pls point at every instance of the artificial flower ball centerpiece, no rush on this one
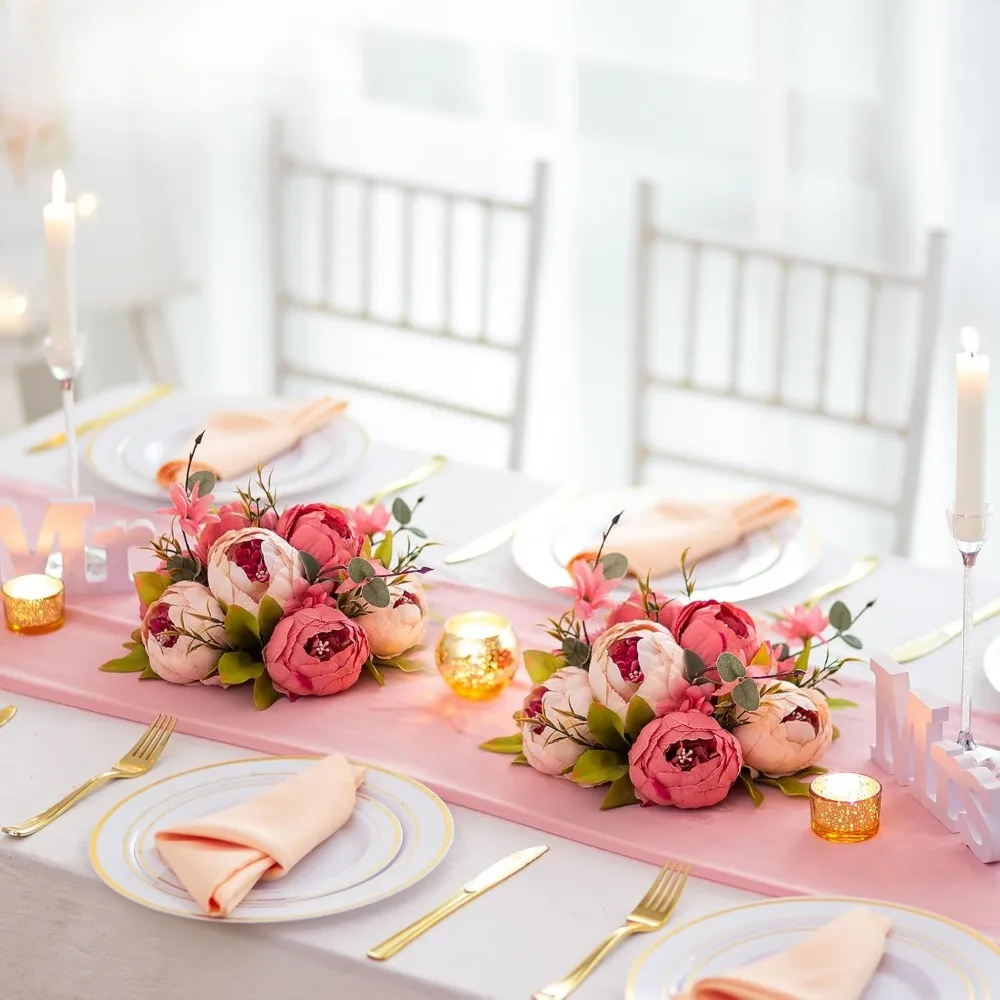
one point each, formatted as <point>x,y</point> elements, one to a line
<point>299,602</point>
<point>677,702</point>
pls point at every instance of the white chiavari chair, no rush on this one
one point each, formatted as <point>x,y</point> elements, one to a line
<point>289,303</point>
<point>908,429</point>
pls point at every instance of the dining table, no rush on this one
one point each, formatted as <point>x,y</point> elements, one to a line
<point>65,934</point>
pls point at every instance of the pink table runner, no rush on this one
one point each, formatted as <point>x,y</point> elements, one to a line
<point>416,725</point>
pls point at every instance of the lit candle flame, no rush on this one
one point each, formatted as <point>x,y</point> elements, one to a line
<point>970,339</point>
<point>58,188</point>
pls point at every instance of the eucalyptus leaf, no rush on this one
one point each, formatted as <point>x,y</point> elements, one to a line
<point>204,480</point>
<point>310,566</point>
<point>383,553</point>
<point>638,715</point>
<point>621,793</point>
<point>359,569</point>
<point>503,744</point>
<point>606,727</point>
<point>419,532</point>
<point>730,668</point>
<point>614,565</point>
<point>840,617</point>
<point>694,665</point>
<point>268,615</point>
<point>598,767</point>
<point>131,663</point>
<point>401,510</point>
<point>150,586</point>
<point>751,787</point>
<point>852,640</point>
<point>236,667</point>
<point>540,666</point>
<point>840,703</point>
<point>746,694</point>
<point>376,593</point>
<point>264,694</point>
<point>242,629</point>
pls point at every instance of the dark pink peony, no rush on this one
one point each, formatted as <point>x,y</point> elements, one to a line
<point>324,531</point>
<point>317,650</point>
<point>633,609</point>
<point>684,759</point>
<point>709,628</point>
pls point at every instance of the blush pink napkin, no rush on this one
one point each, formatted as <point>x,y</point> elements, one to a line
<point>220,858</point>
<point>834,963</point>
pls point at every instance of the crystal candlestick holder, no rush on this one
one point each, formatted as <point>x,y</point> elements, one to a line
<point>970,532</point>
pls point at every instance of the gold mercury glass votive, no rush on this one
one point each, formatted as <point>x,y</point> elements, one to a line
<point>33,604</point>
<point>477,654</point>
<point>845,807</point>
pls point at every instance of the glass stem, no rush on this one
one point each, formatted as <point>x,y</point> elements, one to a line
<point>965,733</point>
<point>71,452</point>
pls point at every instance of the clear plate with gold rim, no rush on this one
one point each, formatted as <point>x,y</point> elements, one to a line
<point>397,834</point>
<point>927,957</point>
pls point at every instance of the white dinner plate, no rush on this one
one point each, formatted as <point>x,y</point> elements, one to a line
<point>128,453</point>
<point>399,831</point>
<point>927,957</point>
<point>762,563</point>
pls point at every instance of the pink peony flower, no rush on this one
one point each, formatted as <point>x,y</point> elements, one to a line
<point>393,630</point>
<point>229,517</point>
<point>632,609</point>
<point>635,658</point>
<point>324,531</point>
<point>370,522</point>
<point>709,628</point>
<point>589,591</point>
<point>191,512</point>
<point>309,595</point>
<point>316,650</point>
<point>684,759</point>
<point>563,700</point>
<point>790,730</point>
<point>189,608</point>
<point>245,565</point>
<point>801,623</point>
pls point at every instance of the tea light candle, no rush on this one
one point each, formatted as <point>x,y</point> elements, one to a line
<point>33,604</point>
<point>845,807</point>
<point>477,654</point>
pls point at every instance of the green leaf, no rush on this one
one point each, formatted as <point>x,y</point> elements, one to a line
<point>206,482</point>
<point>793,787</point>
<point>242,629</point>
<point>383,553</point>
<point>183,568</point>
<point>136,635</point>
<point>503,744</point>
<point>131,663</point>
<point>836,733</point>
<point>419,532</point>
<point>405,663</point>
<point>598,767</point>
<point>264,695</point>
<point>834,703</point>
<point>730,667</point>
<point>310,566</point>
<point>638,716</point>
<point>238,668</point>
<point>762,658</point>
<point>746,694</point>
<point>540,665</point>
<point>694,665</point>
<point>751,787</point>
<point>375,672</point>
<point>614,565</point>
<point>576,651</point>
<point>150,587</point>
<point>606,727</point>
<point>840,617</point>
<point>519,759</point>
<point>802,660</point>
<point>268,615</point>
<point>149,674</point>
<point>359,569</point>
<point>401,510</point>
<point>376,593</point>
<point>852,640</point>
<point>621,793</point>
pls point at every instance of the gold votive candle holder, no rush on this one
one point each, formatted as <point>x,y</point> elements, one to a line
<point>477,654</point>
<point>845,807</point>
<point>34,603</point>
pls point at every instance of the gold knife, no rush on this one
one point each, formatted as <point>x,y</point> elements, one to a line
<point>863,567</point>
<point>498,536</point>
<point>58,440</point>
<point>916,648</point>
<point>6,714</point>
<point>483,882</point>
<point>431,467</point>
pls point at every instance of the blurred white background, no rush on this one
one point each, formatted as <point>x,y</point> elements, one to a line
<point>846,130</point>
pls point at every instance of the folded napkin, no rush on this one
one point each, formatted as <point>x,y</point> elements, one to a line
<point>834,963</point>
<point>653,541</point>
<point>237,441</point>
<point>220,858</point>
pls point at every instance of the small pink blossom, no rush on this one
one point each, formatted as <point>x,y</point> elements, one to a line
<point>801,623</point>
<point>191,512</point>
<point>589,591</point>
<point>309,595</point>
<point>370,522</point>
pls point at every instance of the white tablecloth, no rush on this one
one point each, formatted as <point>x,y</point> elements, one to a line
<point>63,934</point>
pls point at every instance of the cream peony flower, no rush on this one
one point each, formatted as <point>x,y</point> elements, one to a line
<point>246,564</point>
<point>394,629</point>
<point>189,608</point>
<point>554,732</point>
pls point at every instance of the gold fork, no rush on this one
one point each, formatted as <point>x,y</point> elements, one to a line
<point>137,761</point>
<point>651,914</point>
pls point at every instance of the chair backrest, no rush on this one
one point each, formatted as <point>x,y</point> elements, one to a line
<point>910,430</point>
<point>285,167</point>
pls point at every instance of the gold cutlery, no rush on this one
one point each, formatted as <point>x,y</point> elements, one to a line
<point>863,567</point>
<point>498,872</point>
<point>925,644</point>
<point>6,714</point>
<point>58,440</point>
<point>136,762</point>
<point>431,467</point>
<point>485,544</point>
<point>651,914</point>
